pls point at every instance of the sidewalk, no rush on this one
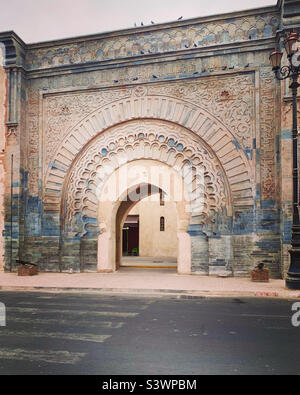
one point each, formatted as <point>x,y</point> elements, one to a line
<point>144,281</point>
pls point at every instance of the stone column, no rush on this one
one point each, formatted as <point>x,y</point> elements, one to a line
<point>220,255</point>
<point>184,253</point>
<point>2,151</point>
<point>105,258</point>
<point>70,253</point>
<point>200,252</point>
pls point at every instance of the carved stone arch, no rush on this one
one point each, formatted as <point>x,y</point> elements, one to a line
<point>219,140</point>
<point>134,140</point>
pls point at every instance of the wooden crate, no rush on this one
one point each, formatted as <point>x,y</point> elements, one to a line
<point>27,270</point>
<point>260,275</point>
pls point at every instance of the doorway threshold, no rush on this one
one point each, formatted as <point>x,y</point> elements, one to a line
<point>149,262</point>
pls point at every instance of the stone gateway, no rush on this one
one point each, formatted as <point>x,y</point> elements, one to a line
<point>179,130</point>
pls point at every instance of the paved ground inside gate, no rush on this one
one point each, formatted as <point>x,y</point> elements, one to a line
<point>137,261</point>
<point>152,281</point>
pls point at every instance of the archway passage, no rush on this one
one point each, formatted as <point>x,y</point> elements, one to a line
<point>133,198</point>
<point>137,188</point>
<point>149,234</point>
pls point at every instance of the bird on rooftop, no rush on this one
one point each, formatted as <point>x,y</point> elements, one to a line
<point>180,18</point>
<point>142,24</point>
<point>152,22</point>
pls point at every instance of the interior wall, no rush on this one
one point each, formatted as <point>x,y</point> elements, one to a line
<point>152,241</point>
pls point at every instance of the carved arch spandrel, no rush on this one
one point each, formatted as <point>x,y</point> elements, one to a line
<point>176,112</point>
<point>148,139</point>
<point>230,99</point>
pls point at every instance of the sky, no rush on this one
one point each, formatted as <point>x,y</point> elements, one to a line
<point>43,20</point>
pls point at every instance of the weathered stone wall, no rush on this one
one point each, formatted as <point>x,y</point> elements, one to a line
<point>286,175</point>
<point>238,88</point>
<point>202,90</point>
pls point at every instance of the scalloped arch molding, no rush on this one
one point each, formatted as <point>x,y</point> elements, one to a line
<point>163,142</point>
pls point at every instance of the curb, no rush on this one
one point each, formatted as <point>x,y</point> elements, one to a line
<point>183,294</point>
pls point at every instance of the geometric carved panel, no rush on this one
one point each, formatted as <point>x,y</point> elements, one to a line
<point>138,107</point>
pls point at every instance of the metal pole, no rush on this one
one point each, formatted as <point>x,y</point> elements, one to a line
<point>293,278</point>
<point>127,234</point>
<point>11,210</point>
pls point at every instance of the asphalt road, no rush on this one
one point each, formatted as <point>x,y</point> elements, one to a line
<point>121,335</point>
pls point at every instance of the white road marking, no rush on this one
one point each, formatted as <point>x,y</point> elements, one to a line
<point>75,312</point>
<point>77,305</point>
<point>62,357</point>
<point>143,306</point>
<point>45,297</point>
<point>87,337</point>
<point>34,320</point>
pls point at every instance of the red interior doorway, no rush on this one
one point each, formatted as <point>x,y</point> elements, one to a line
<point>130,236</point>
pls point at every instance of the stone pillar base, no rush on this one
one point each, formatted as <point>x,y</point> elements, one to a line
<point>184,253</point>
<point>105,271</point>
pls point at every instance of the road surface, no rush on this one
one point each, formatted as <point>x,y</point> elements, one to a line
<point>121,335</point>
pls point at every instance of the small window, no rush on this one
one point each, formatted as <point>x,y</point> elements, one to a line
<point>162,224</point>
<point>161,196</point>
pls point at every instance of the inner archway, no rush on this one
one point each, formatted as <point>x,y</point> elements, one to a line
<point>150,234</point>
<point>155,241</point>
<point>142,179</point>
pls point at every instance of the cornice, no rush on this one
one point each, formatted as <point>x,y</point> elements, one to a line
<point>225,49</point>
<point>16,49</point>
<point>10,34</point>
<point>152,28</point>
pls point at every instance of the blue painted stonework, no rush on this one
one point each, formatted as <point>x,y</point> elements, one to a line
<point>214,66</point>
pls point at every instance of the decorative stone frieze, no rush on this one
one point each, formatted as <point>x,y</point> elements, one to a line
<point>268,127</point>
<point>155,41</point>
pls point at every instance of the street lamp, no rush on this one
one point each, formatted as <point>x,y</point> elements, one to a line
<point>292,71</point>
